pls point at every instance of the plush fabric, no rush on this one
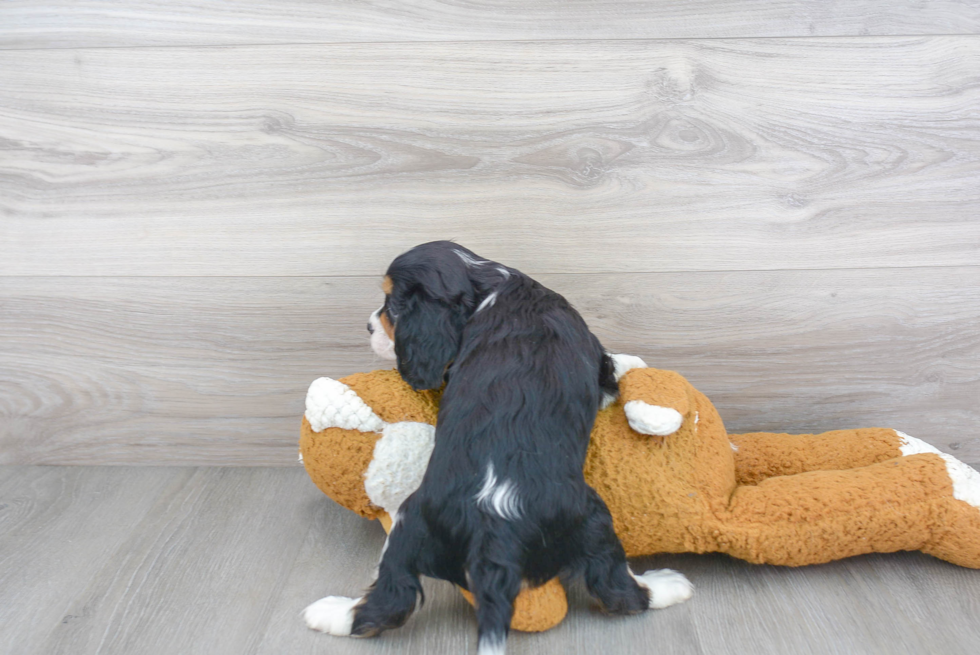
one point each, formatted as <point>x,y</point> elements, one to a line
<point>674,479</point>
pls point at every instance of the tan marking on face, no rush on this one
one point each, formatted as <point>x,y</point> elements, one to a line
<point>387,285</point>
<point>386,324</point>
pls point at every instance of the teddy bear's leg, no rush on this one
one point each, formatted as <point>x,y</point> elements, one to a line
<point>907,503</point>
<point>958,534</point>
<point>959,541</point>
<point>761,455</point>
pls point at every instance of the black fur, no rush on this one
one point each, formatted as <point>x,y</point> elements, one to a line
<point>524,378</point>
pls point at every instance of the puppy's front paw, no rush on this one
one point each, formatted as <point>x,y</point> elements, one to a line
<point>666,587</point>
<point>333,615</point>
<point>652,419</point>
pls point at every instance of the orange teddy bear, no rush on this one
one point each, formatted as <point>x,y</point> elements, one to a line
<point>674,480</point>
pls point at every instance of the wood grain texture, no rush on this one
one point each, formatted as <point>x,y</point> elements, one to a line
<point>113,23</point>
<point>867,604</point>
<point>199,573</point>
<point>57,527</point>
<point>215,370</point>
<point>553,156</point>
<point>157,561</point>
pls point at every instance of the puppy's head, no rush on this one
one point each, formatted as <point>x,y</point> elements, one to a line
<point>430,294</point>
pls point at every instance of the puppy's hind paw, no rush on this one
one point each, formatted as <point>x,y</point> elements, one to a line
<point>666,587</point>
<point>333,615</point>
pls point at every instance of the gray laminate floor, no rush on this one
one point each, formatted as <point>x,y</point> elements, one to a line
<point>134,561</point>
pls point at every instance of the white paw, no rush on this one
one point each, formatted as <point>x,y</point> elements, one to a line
<point>652,419</point>
<point>966,480</point>
<point>623,363</point>
<point>333,615</point>
<point>492,645</point>
<point>666,587</point>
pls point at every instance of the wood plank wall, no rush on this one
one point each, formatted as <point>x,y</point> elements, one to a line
<point>779,199</point>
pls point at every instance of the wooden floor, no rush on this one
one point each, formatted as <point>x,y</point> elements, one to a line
<point>220,561</point>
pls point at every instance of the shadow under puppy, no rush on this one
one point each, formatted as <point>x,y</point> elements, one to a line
<point>503,502</point>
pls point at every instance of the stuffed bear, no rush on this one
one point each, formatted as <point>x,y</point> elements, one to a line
<point>672,477</point>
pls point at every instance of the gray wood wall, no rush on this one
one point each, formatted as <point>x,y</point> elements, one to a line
<point>780,199</point>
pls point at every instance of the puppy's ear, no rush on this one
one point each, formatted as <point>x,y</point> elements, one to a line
<point>427,339</point>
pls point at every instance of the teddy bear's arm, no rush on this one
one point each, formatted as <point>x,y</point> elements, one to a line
<point>762,455</point>
<point>392,398</point>
<point>655,401</point>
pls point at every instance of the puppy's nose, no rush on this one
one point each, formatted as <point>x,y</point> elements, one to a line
<point>370,329</point>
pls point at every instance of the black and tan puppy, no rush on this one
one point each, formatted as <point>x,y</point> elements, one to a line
<point>503,502</point>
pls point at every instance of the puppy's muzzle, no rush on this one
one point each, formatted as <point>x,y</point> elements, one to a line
<point>381,344</point>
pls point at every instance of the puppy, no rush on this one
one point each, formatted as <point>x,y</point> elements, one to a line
<point>503,502</point>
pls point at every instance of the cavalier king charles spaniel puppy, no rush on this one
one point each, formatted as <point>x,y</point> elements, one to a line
<point>503,502</point>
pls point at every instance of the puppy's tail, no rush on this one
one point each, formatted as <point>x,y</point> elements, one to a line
<point>495,580</point>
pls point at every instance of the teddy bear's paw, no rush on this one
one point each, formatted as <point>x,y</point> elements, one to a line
<point>333,615</point>
<point>966,480</point>
<point>332,404</point>
<point>666,587</point>
<point>623,363</point>
<point>652,419</point>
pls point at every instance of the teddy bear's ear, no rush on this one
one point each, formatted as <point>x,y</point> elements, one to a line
<point>332,404</point>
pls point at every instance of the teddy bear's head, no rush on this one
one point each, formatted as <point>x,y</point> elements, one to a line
<point>366,439</point>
